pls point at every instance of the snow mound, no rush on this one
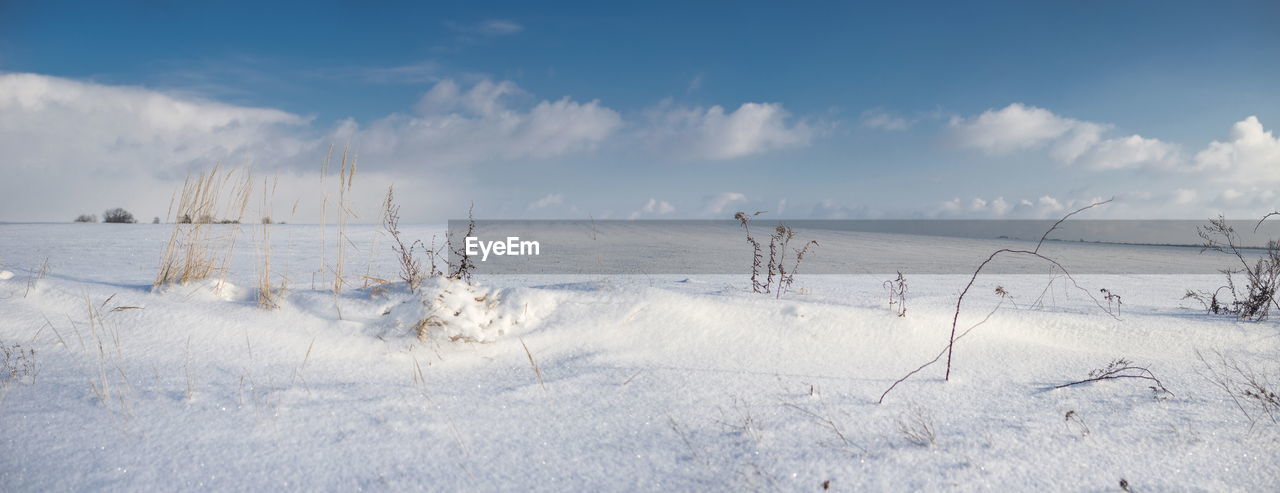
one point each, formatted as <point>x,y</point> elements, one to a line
<point>208,290</point>
<point>5,275</point>
<point>454,310</point>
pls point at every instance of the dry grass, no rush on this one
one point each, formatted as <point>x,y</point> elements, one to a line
<point>40,275</point>
<point>198,249</point>
<point>916,426</point>
<point>111,384</point>
<point>266,294</point>
<point>533,363</point>
<point>324,215</point>
<point>346,176</point>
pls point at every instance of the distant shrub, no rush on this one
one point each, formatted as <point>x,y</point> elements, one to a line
<point>86,218</point>
<point>155,220</point>
<point>185,219</point>
<point>209,219</point>
<point>118,215</point>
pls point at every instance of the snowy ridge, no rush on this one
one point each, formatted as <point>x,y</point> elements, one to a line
<point>642,382</point>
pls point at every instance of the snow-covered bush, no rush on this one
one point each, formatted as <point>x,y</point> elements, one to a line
<point>454,310</point>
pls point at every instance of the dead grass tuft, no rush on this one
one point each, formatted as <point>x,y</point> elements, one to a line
<point>199,250</point>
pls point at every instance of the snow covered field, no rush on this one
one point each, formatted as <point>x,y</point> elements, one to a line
<point>635,382</point>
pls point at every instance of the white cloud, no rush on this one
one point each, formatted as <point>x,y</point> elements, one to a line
<point>1049,204</point>
<point>1184,196</point>
<point>1130,151</point>
<point>1251,153</point>
<point>70,145</point>
<point>547,201</point>
<point>1044,207</point>
<point>1253,199</point>
<point>830,209</point>
<point>717,204</point>
<point>653,207</point>
<point>453,126</point>
<point>694,84</point>
<point>1012,128</point>
<point>60,124</point>
<point>499,27</point>
<point>1018,127</point>
<point>130,146</point>
<point>715,134</point>
<point>883,120</point>
<point>412,73</point>
<point>488,28</point>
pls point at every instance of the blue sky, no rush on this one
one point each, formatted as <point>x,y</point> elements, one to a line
<point>933,109</point>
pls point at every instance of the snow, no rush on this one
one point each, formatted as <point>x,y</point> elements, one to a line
<point>642,382</point>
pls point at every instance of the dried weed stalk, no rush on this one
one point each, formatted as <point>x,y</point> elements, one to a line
<point>1251,391</point>
<point>777,277</point>
<point>1262,277</point>
<point>410,267</point>
<point>897,291</point>
<point>462,269</point>
<point>1035,253</point>
<point>1121,368</point>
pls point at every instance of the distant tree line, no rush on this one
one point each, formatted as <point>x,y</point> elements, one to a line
<point>116,215</point>
<point>119,215</point>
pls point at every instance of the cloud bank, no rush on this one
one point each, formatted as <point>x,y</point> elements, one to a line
<point>1018,127</point>
<point>451,126</point>
<point>716,134</point>
<point>126,145</point>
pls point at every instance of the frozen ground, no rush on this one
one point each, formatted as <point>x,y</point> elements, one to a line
<point>648,382</point>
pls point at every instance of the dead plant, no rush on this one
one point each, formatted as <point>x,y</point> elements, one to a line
<point>916,425</point>
<point>1250,390</point>
<point>777,277</point>
<point>897,291</point>
<point>410,267</point>
<point>19,364</point>
<point>1121,368</point>
<point>1035,253</point>
<point>462,269</point>
<point>1262,277</point>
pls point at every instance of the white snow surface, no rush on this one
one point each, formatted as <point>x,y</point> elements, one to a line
<point>641,382</point>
